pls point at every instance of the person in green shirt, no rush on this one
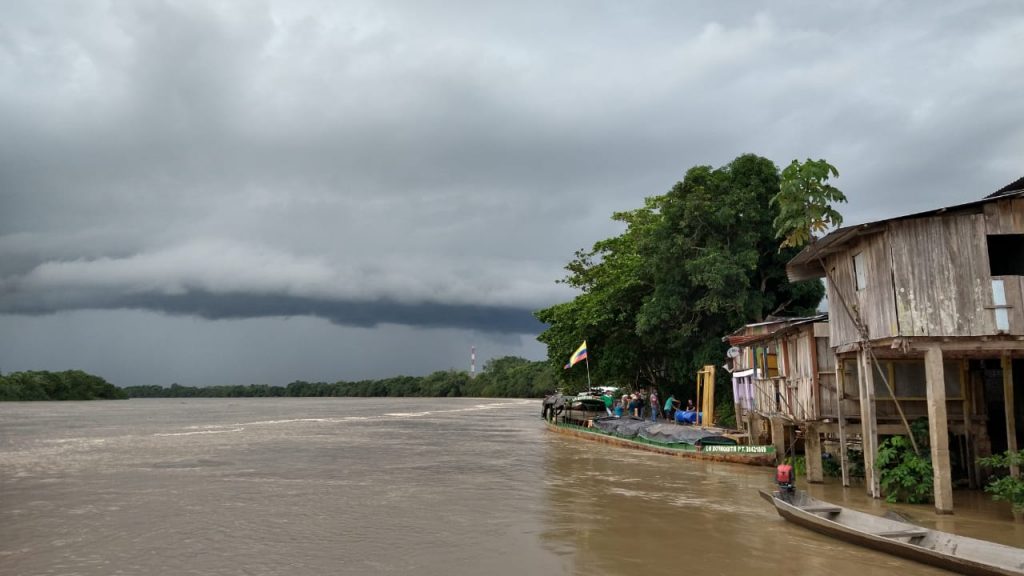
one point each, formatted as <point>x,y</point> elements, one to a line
<point>671,404</point>
<point>608,401</point>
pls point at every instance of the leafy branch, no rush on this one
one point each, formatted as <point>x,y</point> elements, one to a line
<point>805,201</point>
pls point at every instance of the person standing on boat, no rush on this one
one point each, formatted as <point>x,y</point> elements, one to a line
<point>654,404</point>
<point>608,401</point>
<point>670,407</point>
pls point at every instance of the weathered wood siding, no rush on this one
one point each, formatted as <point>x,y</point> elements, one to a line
<point>873,303</point>
<point>941,276</point>
<point>875,300</point>
<point>826,360</point>
<point>840,286</point>
<point>800,374</point>
<point>926,277</point>
<point>1006,217</point>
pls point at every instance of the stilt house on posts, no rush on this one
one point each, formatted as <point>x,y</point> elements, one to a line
<point>926,318</point>
<point>784,380</point>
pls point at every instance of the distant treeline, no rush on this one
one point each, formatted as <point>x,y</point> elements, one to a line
<point>67,385</point>
<point>508,377</point>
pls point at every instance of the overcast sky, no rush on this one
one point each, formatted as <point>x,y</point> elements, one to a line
<point>213,192</point>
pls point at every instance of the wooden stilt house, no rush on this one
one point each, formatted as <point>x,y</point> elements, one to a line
<point>927,319</point>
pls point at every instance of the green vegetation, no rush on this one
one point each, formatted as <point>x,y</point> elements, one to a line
<point>691,266</point>
<point>904,475</point>
<point>799,464</point>
<point>805,202</point>
<point>67,385</point>
<point>508,377</point>
<point>833,467</point>
<point>1004,486</point>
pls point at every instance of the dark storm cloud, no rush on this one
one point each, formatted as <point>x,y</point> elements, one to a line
<point>499,319</point>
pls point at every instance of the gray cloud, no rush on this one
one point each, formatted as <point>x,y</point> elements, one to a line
<point>436,163</point>
<point>497,319</point>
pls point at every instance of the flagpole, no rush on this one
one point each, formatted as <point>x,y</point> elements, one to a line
<point>587,360</point>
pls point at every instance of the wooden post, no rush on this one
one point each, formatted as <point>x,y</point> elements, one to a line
<point>778,438</point>
<point>938,429</point>
<point>868,422</point>
<point>1011,422</point>
<point>844,462</point>
<point>966,385</point>
<point>812,452</point>
<point>753,427</point>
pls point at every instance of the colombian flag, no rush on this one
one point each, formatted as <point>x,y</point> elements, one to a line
<point>579,355</point>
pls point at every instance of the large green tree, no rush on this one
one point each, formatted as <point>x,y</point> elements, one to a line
<point>691,266</point>
<point>614,279</point>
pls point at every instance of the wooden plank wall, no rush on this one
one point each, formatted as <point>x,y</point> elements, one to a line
<point>873,303</point>
<point>805,392</point>
<point>841,280</point>
<point>926,277</point>
<point>1013,287</point>
<point>876,300</point>
<point>941,273</point>
<point>826,407</point>
<point>1005,217</point>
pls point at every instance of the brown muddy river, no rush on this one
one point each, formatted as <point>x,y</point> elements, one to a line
<point>312,486</point>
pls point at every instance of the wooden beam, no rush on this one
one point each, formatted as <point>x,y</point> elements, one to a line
<point>966,391</point>
<point>844,463</point>
<point>1011,421</point>
<point>778,426</point>
<point>968,346</point>
<point>868,423</point>
<point>938,430</point>
<point>812,453</point>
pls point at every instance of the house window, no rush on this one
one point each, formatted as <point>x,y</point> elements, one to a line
<point>859,271</point>
<point>999,302</point>
<point>1006,254</point>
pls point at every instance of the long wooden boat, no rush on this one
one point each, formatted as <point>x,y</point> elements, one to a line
<point>755,455</point>
<point>955,553</point>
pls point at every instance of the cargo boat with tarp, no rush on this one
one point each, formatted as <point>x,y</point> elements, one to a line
<point>585,417</point>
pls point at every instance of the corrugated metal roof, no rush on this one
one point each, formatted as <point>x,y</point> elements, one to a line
<point>784,324</point>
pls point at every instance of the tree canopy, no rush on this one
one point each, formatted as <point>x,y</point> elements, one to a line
<point>67,385</point>
<point>691,266</point>
<point>805,201</point>
<point>506,377</point>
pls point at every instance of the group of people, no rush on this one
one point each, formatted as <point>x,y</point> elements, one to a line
<point>636,405</point>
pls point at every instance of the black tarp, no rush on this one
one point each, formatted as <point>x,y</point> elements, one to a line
<point>661,433</point>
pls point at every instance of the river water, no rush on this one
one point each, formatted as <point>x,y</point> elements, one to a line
<point>317,486</point>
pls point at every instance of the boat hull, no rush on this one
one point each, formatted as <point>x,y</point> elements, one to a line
<point>734,454</point>
<point>958,554</point>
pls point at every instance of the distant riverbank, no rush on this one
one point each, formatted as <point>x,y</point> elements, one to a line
<point>508,377</point>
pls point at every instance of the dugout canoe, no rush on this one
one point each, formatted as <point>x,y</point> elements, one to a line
<point>955,553</point>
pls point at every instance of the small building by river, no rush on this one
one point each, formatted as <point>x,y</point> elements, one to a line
<point>927,318</point>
